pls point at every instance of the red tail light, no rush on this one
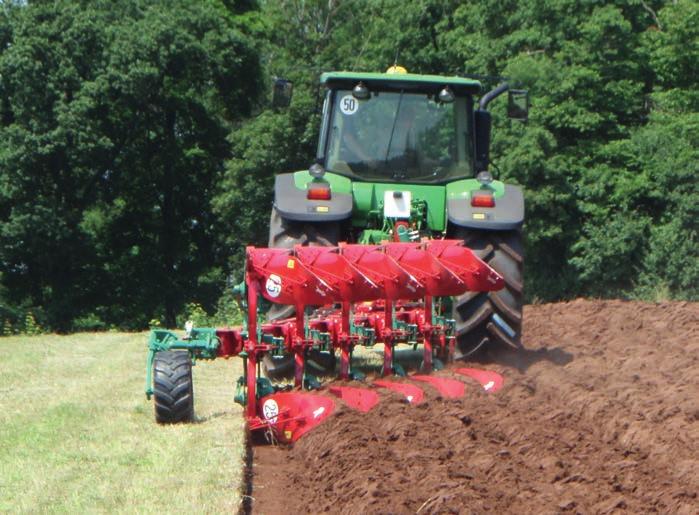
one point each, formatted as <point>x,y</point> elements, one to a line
<point>482,200</point>
<point>318,192</point>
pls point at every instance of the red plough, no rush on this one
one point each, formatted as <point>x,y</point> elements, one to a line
<point>412,393</point>
<point>362,295</point>
<point>489,380</point>
<point>449,388</point>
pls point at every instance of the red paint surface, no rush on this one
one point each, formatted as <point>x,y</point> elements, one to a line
<point>490,381</point>
<point>450,388</point>
<point>357,398</point>
<point>232,342</point>
<point>297,414</point>
<point>352,272</point>
<point>412,393</point>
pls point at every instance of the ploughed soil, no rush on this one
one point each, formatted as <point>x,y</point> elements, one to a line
<point>599,415</point>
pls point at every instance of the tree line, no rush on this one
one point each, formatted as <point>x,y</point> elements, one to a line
<point>138,147</point>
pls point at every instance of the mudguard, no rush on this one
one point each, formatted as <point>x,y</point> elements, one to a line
<point>292,204</point>
<point>507,214</point>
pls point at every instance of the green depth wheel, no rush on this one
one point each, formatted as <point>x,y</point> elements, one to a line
<point>173,392</point>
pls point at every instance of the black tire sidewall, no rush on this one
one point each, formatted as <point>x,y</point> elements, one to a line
<point>488,319</point>
<point>172,404</point>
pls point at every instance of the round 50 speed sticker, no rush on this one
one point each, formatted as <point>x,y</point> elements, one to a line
<point>273,285</point>
<point>270,409</point>
<point>349,105</point>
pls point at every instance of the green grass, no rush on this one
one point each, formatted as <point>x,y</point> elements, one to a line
<point>78,435</point>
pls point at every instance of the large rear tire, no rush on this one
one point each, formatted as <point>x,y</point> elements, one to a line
<point>485,320</point>
<point>286,234</point>
<point>173,393</point>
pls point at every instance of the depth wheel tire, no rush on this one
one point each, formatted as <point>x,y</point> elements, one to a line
<point>487,318</point>
<point>173,393</point>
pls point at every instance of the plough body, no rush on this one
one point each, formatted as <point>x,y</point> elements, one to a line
<point>361,295</point>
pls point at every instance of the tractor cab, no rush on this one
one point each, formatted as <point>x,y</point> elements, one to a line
<point>397,127</point>
<point>419,139</point>
<point>404,158</point>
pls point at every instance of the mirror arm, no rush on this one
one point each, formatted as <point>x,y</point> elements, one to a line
<point>492,95</point>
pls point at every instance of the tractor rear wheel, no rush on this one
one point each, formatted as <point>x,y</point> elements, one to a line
<point>173,392</point>
<point>286,234</point>
<point>486,318</point>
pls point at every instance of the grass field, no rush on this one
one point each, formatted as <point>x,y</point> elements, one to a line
<point>77,434</point>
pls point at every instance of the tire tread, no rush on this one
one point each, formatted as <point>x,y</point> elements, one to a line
<point>172,387</point>
<point>474,312</point>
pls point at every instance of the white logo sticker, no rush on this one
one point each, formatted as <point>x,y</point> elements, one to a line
<point>349,104</point>
<point>273,285</point>
<point>487,386</point>
<point>270,409</point>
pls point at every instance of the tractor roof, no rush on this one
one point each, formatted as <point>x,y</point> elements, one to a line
<point>400,81</point>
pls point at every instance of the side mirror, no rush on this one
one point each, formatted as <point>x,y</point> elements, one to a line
<point>482,122</point>
<point>281,92</point>
<point>518,104</point>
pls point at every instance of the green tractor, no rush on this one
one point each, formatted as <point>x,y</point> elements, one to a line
<point>402,157</point>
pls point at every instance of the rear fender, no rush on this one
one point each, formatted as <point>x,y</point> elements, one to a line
<point>507,214</point>
<point>292,204</point>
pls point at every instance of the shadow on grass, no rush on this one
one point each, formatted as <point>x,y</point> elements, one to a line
<point>211,416</point>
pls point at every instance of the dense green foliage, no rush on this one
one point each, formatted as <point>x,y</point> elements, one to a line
<point>137,156</point>
<point>113,138</point>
